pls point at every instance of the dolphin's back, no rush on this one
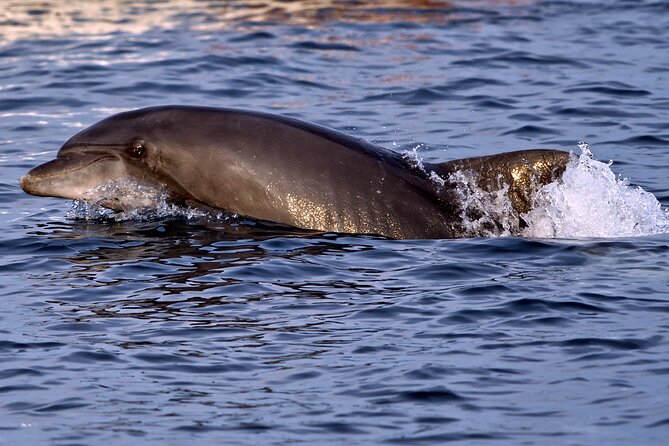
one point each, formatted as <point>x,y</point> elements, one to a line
<point>285,170</point>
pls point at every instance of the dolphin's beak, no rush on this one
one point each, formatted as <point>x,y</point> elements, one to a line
<point>69,176</point>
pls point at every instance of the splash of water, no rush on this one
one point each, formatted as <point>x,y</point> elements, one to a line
<point>484,213</point>
<point>415,161</point>
<point>136,201</point>
<point>589,201</point>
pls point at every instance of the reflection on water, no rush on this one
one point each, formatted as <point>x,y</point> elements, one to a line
<point>192,332</point>
<point>210,265</point>
<point>45,18</point>
<point>50,18</point>
<point>318,12</point>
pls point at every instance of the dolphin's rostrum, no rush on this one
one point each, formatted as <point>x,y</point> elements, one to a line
<point>280,169</point>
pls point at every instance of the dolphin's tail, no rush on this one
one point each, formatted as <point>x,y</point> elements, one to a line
<point>524,172</point>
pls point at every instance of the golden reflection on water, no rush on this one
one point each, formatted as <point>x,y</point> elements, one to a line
<point>46,18</point>
<point>316,12</point>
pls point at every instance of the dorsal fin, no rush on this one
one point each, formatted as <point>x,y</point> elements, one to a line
<point>523,171</point>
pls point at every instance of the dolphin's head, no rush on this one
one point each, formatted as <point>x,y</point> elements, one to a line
<point>198,155</point>
<point>124,147</point>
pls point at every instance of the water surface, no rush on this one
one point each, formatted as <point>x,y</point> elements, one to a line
<point>233,332</point>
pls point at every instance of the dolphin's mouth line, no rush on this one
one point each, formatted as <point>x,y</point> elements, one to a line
<point>74,169</point>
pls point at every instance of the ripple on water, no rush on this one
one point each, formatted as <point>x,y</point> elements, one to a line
<point>179,329</point>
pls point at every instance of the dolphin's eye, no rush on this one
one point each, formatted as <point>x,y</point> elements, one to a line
<point>136,150</point>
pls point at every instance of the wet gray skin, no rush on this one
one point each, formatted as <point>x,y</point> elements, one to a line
<point>281,169</point>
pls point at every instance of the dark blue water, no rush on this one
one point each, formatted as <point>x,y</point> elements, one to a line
<point>183,331</point>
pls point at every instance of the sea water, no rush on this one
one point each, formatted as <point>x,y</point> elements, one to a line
<point>166,326</point>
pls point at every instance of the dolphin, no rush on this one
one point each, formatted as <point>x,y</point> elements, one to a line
<point>284,170</point>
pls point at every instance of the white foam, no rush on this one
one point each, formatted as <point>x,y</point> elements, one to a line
<point>411,156</point>
<point>587,201</point>
<point>590,201</point>
<point>137,201</point>
<point>484,213</point>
